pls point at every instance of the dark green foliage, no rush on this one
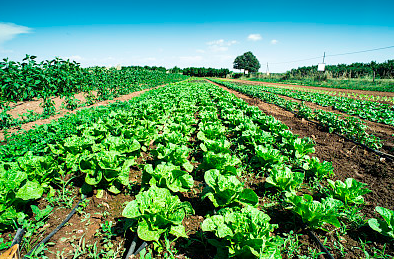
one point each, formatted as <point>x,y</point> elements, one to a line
<point>247,61</point>
<point>26,80</point>
<point>205,72</point>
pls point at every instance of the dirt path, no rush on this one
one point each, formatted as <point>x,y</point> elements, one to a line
<point>348,159</point>
<point>36,108</point>
<point>383,94</point>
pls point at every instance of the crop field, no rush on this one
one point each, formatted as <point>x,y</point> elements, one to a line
<point>162,165</point>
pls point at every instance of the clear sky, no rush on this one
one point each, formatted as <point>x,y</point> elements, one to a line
<point>197,33</point>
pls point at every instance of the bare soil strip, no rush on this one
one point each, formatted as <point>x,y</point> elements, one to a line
<point>388,94</point>
<point>383,131</point>
<point>35,106</point>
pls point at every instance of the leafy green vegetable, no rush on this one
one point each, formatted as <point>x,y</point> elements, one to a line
<point>169,176</point>
<point>156,212</point>
<point>350,192</point>
<point>315,213</point>
<point>213,160</point>
<point>174,154</point>
<point>243,233</point>
<point>313,168</point>
<point>224,190</point>
<point>386,226</point>
<point>285,180</point>
<point>108,168</point>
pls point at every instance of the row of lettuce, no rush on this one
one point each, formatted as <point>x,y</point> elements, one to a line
<point>351,127</point>
<point>368,110</point>
<point>174,124</point>
<point>28,80</point>
<point>352,95</point>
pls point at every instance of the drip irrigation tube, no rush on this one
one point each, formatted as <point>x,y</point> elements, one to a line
<point>132,250</point>
<point>327,254</point>
<point>18,237</point>
<point>379,153</point>
<point>56,229</point>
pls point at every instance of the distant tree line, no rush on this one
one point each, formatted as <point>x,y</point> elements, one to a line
<point>205,72</point>
<point>355,70</point>
<point>153,68</point>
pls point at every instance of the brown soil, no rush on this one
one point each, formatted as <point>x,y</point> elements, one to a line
<point>383,131</point>
<point>349,161</point>
<point>35,106</point>
<point>383,94</point>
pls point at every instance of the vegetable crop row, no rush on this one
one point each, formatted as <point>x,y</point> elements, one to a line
<point>369,110</point>
<point>28,80</point>
<point>351,127</point>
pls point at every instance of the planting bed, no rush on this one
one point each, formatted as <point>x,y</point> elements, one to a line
<point>197,170</point>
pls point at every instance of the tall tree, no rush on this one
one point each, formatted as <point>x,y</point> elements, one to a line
<point>239,62</point>
<point>247,62</point>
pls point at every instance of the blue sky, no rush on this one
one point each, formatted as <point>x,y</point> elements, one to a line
<point>197,33</point>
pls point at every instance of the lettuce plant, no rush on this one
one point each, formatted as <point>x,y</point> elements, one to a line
<point>242,233</point>
<point>156,212</point>
<point>313,168</point>
<point>210,130</point>
<point>315,213</point>
<point>108,169</point>
<point>350,192</point>
<point>385,226</point>
<point>285,180</point>
<point>268,157</point>
<point>169,176</point>
<point>218,146</point>
<point>301,147</point>
<point>15,191</point>
<point>220,161</point>
<point>175,154</point>
<point>224,190</point>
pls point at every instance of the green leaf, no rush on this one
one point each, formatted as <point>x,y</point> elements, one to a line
<point>178,231</point>
<point>248,196</point>
<point>30,191</point>
<point>148,234</point>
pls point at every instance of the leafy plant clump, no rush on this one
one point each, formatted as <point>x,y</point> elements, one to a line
<point>385,226</point>
<point>350,192</point>
<point>226,189</point>
<point>167,175</point>
<point>156,212</point>
<point>242,233</point>
<point>315,213</point>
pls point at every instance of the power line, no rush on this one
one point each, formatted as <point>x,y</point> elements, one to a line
<point>296,60</point>
<point>333,55</point>
<point>362,51</point>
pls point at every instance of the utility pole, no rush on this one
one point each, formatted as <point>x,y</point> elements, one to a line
<point>268,71</point>
<point>322,67</point>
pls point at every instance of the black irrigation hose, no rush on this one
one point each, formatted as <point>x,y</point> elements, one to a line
<point>319,243</point>
<point>132,250</point>
<point>132,246</point>
<point>18,237</point>
<point>56,229</point>
<point>379,153</point>
<point>141,247</point>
